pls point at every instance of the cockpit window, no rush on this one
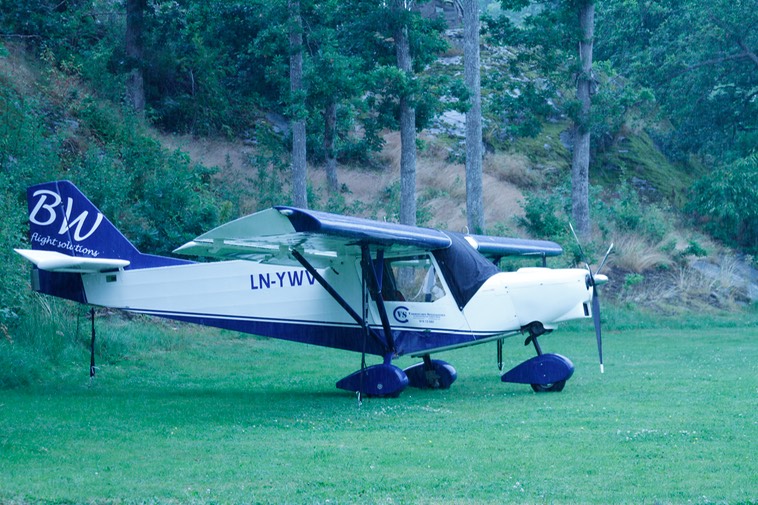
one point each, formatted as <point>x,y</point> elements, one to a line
<point>412,279</point>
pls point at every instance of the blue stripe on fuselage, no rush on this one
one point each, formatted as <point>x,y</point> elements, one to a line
<point>349,337</point>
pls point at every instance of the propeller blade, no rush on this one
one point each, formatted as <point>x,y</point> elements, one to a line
<point>604,258</point>
<point>595,294</point>
<point>596,320</point>
<point>579,245</point>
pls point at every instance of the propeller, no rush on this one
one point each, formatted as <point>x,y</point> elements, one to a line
<point>595,279</point>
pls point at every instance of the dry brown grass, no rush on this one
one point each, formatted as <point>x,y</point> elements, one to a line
<point>515,169</point>
<point>684,289</point>
<point>435,176</point>
<point>636,254</point>
<point>665,277</point>
<point>231,158</point>
<point>390,154</point>
<point>209,151</point>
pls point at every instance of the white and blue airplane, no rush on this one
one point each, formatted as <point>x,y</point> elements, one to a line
<point>318,278</point>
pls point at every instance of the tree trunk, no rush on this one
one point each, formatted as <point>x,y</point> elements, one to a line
<point>299,170</point>
<point>474,197</point>
<point>135,87</point>
<point>407,127</point>
<point>330,124</point>
<point>580,163</point>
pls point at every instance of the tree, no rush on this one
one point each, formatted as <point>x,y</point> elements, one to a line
<point>474,198</point>
<point>297,107</point>
<point>400,9</point>
<point>580,161</point>
<point>347,60</point>
<point>333,77</point>
<point>724,203</point>
<point>700,59</point>
<point>135,84</point>
<point>548,40</point>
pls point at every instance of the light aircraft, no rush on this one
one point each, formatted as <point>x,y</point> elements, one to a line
<point>371,287</point>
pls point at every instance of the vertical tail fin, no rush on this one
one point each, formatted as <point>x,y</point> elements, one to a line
<point>63,220</point>
<point>70,236</point>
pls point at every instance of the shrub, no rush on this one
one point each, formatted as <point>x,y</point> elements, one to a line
<point>544,215</point>
<point>630,215</point>
<point>724,203</point>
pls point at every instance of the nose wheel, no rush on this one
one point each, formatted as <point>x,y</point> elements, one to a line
<point>535,330</point>
<point>545,372</point>
<point>554,387</point>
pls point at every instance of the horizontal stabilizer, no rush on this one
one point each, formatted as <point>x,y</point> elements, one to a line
<point>53,261</point>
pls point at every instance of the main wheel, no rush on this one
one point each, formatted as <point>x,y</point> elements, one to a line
<point>549,388</point>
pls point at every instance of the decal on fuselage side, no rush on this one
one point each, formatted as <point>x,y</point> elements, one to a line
<point>401,314</point>
<point>404,314</point>
<point>286,279</point>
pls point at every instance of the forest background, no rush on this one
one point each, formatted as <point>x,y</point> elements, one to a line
<point>117,95</point>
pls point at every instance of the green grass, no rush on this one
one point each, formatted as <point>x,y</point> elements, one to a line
<point>217,418</point>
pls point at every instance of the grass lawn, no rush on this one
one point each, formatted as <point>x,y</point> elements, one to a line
<point>227,419</point>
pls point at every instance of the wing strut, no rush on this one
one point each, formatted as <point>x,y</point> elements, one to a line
<point>338,298</point>
<point>369,272</point>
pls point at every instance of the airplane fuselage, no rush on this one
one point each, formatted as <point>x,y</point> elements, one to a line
<point>288,302</point>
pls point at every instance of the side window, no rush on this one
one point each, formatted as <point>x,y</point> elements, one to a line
<point>413,279</point>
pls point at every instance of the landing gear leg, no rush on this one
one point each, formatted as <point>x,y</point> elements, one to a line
<point>535,330</point>
<point>554,387</point>
<point>432,377</point>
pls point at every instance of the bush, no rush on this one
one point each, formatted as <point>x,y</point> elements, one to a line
<point>15,289</point>
<point>724,203</point>
<point>544,215</point>
<point>26,154</point>
<point>159,199</point>
<point>628,213</point>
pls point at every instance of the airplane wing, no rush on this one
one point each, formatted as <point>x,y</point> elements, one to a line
<point>495,248</point>
<point>268,236</point>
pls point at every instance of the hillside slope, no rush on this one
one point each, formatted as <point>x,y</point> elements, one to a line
<point>441,184</point>
<point>68,133</point>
